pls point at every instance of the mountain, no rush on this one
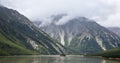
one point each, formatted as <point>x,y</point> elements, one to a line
<point>116,30</point>
<point>18,36</point>
<point>82,35</point>
<point>1,5</point>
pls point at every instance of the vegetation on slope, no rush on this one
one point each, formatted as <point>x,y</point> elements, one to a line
<point>112,53</point>
<point>8,47</point>
<point>19,36</point>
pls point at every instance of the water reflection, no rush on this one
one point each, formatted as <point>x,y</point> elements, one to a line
<point>54,59</point>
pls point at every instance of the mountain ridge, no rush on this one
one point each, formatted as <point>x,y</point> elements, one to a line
<point>116,30</point>
<point>20,32</point>
<point>82,34</point>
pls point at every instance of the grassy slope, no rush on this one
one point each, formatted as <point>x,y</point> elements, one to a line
<point>113,53</point>
<point>7,47</point>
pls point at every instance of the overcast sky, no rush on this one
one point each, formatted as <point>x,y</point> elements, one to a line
<point>105,12</point>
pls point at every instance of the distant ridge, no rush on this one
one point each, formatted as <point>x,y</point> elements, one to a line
<point>82,35</point>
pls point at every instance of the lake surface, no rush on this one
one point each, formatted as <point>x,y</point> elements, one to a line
<point>54,59</point>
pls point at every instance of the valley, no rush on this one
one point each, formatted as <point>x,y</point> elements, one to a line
<point>78,36</point>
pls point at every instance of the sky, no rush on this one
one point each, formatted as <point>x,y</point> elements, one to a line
<point>104,12</point>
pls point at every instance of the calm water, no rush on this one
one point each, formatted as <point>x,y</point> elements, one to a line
<point>54,59</point>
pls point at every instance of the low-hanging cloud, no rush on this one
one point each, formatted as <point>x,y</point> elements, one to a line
<point>103,11</point>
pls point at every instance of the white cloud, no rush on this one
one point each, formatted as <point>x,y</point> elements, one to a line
<point>112,20</point>
<point>65,19</point>
<point>104,11</point>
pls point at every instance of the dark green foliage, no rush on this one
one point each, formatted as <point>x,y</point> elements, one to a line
<point>112,53</point>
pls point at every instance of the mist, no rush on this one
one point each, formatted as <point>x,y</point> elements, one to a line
<point>104,12</point>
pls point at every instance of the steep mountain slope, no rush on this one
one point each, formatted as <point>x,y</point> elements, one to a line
<point>82,35</point>
<point>19,36</point>
<point>116,30</point>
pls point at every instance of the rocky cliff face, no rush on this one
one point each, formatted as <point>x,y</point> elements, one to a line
<point>20,36</point>
<point>82,35</point>
<point>116,30</point>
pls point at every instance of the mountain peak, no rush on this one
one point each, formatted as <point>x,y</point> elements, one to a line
<point>83,35</point>
<point>57,17</point>
<point>1,5</point>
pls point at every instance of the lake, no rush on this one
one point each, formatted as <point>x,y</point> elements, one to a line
<point>54,59</point>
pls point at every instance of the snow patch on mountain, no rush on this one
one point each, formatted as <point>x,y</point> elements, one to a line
<point>100,43</point>
<point>34,45</point>
<point>62,35</point>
